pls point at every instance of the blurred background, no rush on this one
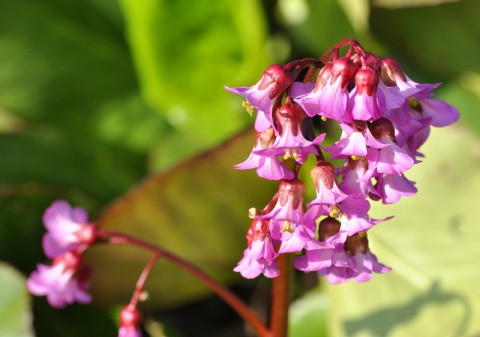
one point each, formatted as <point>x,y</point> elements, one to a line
<point>112,106</point>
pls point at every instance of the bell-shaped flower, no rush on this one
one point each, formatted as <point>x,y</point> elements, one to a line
<point>259,257</point>
<point>64,282</point>
<point>324,178</point>
<point>266,163</point>
<point>330,95</point>
<point>364,262</point>
<point>291,143</point>
<point>67,229</point>
<point>262,96</point>
<point>391,188</point>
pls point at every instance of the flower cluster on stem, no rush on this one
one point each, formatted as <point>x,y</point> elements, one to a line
<point>384,118</point>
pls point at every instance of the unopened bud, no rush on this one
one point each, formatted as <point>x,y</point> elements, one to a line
<point>276,79</point>
<point>366,80</point>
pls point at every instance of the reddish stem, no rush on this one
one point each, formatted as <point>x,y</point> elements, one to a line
<point>226,295</point>
<point>142,279</point>
<point>281,298</point>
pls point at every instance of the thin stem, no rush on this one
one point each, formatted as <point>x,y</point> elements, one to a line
<point>281,298</point>
<point>143,278</point>
<point>226,295</point>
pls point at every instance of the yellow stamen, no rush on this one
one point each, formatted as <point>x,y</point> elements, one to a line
<point>358,157</point>
<point>413,102</point>
<point>249,107</point>
<point>287,227</point>
<point>334,211</point>
<point>252,212</point>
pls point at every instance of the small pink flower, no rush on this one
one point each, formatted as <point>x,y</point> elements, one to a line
<point>263,94</point>
<point>130,318</point>
<point>267,164</point>
<point>259,257</point>
<point>64,282</point>
<point>68,229</point>
<point>364,262</point>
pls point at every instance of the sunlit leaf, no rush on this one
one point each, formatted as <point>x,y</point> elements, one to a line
<point>186,51</point>
<point>15,316</point>
<point>197,210</point>
<point>432,245</point>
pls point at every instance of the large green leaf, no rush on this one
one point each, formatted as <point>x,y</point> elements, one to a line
<point>197,210</point>
<point>432,245</point>
<point>15,316</point>
<point>439,41</point>
<point>186,51</point>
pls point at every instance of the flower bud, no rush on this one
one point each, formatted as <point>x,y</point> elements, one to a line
<point>390,71</point>
<point>328,227</point>
<point>382,127</point>
<point>289,113</point>
<point>277,78</point>
<point>323,174</point>
<point>366,80</point>
<point>292,190</point>
<point>130,318</point>
<point>343,67</point>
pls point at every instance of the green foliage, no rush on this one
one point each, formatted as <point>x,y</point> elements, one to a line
<point>98,94</point>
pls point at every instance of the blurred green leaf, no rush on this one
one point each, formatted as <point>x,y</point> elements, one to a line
<point>432,245</point>
<point>408,3</point>
<point>197,210</point>
<point>439,42</point>
<point>308,316</point>
<point>185,52</point>
<point>15,316</point>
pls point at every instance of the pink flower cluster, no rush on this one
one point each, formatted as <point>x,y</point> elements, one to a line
<point>384,118</point>
<point>68,235</point>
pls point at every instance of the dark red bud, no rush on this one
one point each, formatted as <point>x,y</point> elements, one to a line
<point>357,242</point>
<point>382,127</point>
<point>343,67</point>
<point>390,70</point>
<point>366,80</point>
<point>130,317</point>
<point>291,190</point>
<point>276,79</point>
<point>323,173</point>
<point>259,230</point>
<point>328,227</point>
<point>289,113</point>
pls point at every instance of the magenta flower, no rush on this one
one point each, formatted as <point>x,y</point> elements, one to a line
<point>328,193</point>
<point>68,229</point>
<point>64,282</point>
<point>259,257</point>
<point>130,318</point>
<point>391,188</point>
<point>364,262</point>
<point>267,164</point>
<point>264,93</point>
<point>330,96</point>
<point>291,143</point>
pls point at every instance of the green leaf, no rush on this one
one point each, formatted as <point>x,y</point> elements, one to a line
<point>308,315</point>
<point>15,316</point>
<point>439,42</point>
<point>432,245</point>
<point>197,210</point>
<point>408,3</point>
<point>186,51</point>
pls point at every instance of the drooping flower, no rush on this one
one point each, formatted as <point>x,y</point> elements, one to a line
<point>267,164</point>
<point>263,94</point>
<point>64,282</point>
<point>67,229</point>
<point>364,262</point>
<point>259,256</point>
<point>130,318</point>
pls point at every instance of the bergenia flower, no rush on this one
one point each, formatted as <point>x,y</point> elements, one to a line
<point>64,282</point>
<point>263,94</point>
<point>364,262</point>
<point>266,163</point>
<point>67,229</point>
<point>130,318</point>
<point>259,256</point>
